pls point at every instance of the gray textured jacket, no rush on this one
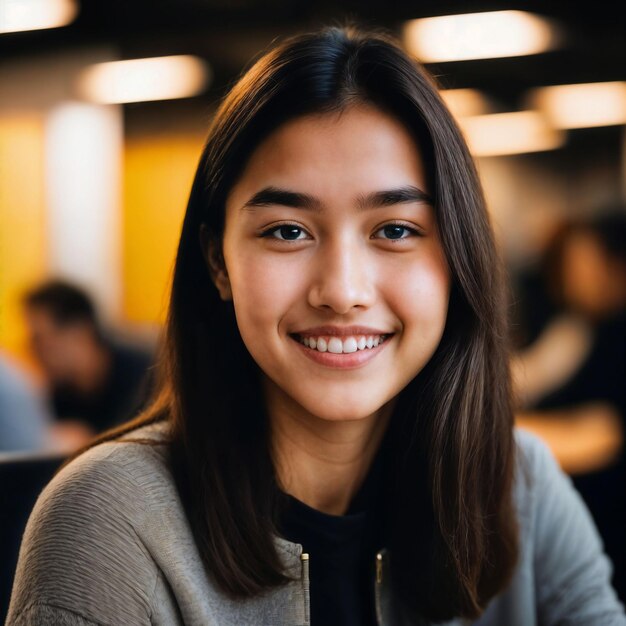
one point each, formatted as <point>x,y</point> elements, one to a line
<point>108,543</point>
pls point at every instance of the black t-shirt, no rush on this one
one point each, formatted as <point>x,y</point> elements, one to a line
<point>342,552</point>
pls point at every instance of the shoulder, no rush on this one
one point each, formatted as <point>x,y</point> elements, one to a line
<point>548,506</point>
<point>84,549</point>
<point>535,465</point>
<point>543,493</point>
<point>533,450</point>
<point>131,470</point>
<point>560,549</point>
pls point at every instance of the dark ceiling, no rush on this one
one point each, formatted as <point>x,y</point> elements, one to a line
<point>228,33</point>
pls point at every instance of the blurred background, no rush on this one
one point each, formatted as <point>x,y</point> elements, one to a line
<point>104,108</point>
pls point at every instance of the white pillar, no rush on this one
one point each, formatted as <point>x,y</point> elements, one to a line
<point>84,145</point>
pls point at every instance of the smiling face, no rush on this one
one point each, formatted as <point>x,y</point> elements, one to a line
<point>334,263</point>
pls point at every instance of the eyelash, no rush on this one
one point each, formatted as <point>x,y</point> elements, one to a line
<point>269,231</point>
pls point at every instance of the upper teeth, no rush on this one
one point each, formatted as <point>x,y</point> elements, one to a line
<point>338,345</point>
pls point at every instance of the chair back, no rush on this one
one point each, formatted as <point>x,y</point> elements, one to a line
<point>22,478</point>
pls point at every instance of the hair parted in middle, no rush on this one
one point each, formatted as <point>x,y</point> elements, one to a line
<point>453,541</point>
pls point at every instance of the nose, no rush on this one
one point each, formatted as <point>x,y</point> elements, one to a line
<point>343,279</point>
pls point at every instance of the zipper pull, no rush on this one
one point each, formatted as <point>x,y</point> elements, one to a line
<point>378,590</point>
<point>304,558</point>
<point>379,568</point>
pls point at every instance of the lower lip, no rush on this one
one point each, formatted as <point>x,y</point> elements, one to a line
<point>350,360</point>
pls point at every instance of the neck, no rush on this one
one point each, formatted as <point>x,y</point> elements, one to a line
<point>320,462</point>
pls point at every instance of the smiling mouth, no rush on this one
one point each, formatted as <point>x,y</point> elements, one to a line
<point>342,345</point>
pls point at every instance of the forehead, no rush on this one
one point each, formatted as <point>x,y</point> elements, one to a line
<point>358,150</point>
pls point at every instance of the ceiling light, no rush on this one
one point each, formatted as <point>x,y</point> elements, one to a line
<point>582,106</point>
<point>141,80</point>
<point>465,102</point>
<point>510,133</point>
<point>486,35</point>
<point>21,15</point>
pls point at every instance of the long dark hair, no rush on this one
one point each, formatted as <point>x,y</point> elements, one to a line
<point>454,534</point>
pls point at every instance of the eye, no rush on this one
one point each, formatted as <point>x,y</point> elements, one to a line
<point>397,231</point>
<point>285,232</point>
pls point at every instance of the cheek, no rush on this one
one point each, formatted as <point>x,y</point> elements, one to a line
<point>264,288</point>
<point>419,294</point>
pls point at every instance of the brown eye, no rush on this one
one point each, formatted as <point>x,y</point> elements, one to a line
<point>397,231</point>
<point>285,232</point>
<point>393,231</point>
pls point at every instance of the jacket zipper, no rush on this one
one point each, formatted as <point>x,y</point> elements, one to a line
<point>304,557</point>
<point>378,589</point>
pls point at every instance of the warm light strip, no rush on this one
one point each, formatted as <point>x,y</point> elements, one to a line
<point>486,35</point>
<point>465,102</point>
<point>582,106</point>
<point>21,15</point>
<point>141,80</point>
<point>510,133</point>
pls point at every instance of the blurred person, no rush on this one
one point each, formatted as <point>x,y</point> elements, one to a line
<point>333,438</point>
<point>94,381</point>
<point>571,379</point>
<point>24,418</point>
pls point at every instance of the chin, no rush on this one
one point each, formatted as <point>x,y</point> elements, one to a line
<point>345,411</point>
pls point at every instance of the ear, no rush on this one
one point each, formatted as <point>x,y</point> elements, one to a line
<point>212,252</point>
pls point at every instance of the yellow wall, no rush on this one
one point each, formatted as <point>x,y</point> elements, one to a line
<point>158,172</point>
<point>22,220</point>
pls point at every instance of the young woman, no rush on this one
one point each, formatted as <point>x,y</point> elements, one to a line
<point>333,442</point>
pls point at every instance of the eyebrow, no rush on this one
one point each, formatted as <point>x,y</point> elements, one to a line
<point>297,200</point>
